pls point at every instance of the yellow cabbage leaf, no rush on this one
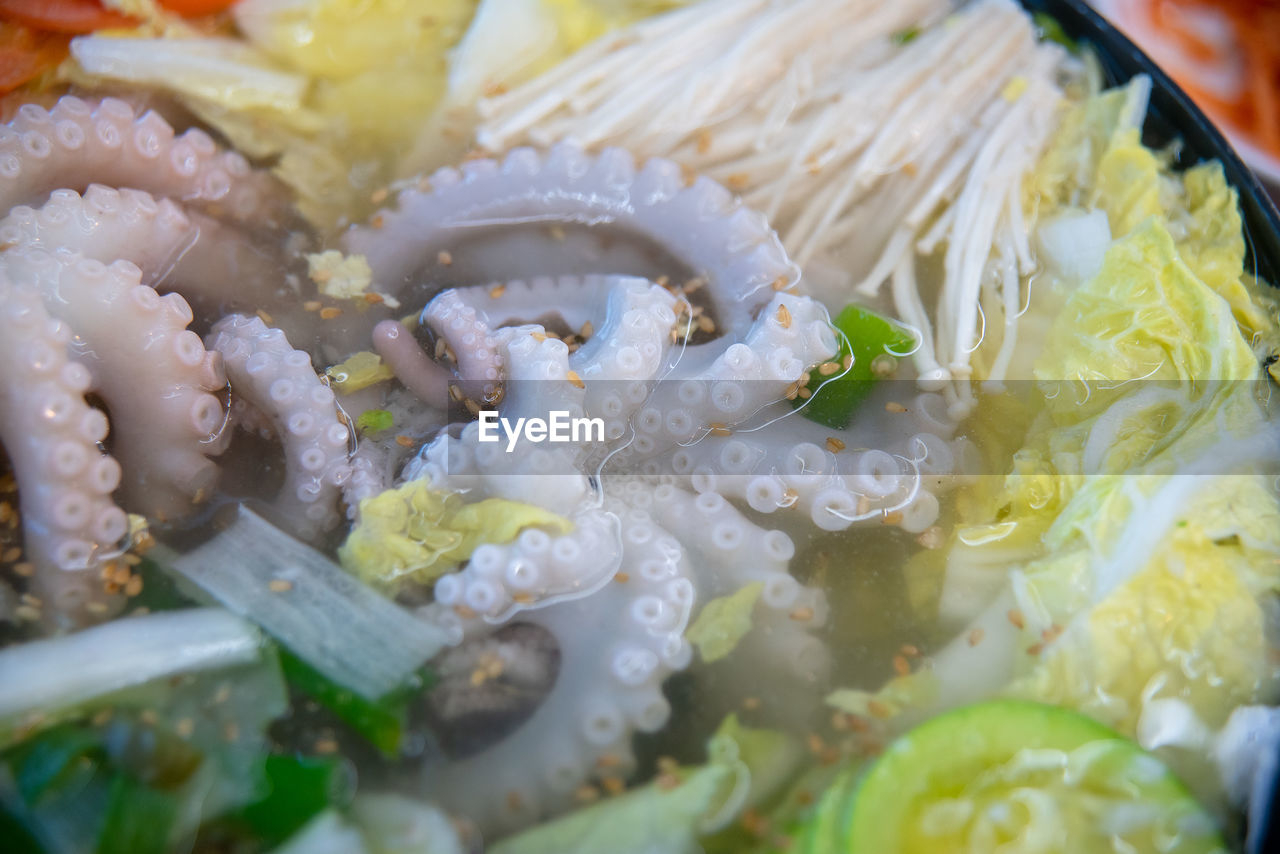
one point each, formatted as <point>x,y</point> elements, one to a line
<point>361,370</point>
<point>1188,625</point>
<point>419,533</point>
<point>723,622</point>
<point>1144,318</point>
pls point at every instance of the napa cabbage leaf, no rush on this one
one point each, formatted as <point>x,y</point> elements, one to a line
<point>414,531</point>
<point>668,815</point>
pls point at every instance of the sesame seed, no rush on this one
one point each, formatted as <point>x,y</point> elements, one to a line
<point>377,221</point>
<point>781,283</point>
<point>901,666</point>
<point>586,330</point>
<point>24,569</point>
<point>784,316</point>
<point>279,585</point>
<point>802,614</point>
<point>804,392</point>
<point>737,181</point>
<point>893,517</point>
<point>1035,648</point>
<point>557,233</point>
<point>443,258</point>
<point>1015,617</point>
<point>834,445</point>
<point>133,586</point>
<point>575,380</point>
<point>828,368</point>
<point>330,312</point>
<point>879,709</point>
<point>379,196</point>
<point>404,441</point>
<point>497,291</point>
<point>976,636</point>
<point>455,392</point>
<point>464,612</point>
<point>373,298</point>
<point>704,141</point>
<point>884,365</point>
<point>754,823</point>
<point>932,537</point>
<point>266,318</point>
<point>622,577</point>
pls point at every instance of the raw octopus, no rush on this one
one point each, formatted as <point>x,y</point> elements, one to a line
<point>131,226</point>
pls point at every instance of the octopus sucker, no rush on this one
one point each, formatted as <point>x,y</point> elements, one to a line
<point>700,224</point>
<point>77,142</point>
<point>52,437</point>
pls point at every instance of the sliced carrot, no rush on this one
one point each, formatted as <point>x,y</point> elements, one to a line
<point>26,54</point>
<point>63,16</point>
<point>192,8</point>
<point>1254,110</point>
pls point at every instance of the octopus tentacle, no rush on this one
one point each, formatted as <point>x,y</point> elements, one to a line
<point>831,490</point>
<point>469,334</point>
<point>791,335</point>
<point>625,347</point>
<point>729,552</point>
<point>428,380</point>
<point>702,224</point>
<point>616,649</point>
<point>536,569</point>
<point>71,522</point>
<point>136,341</point>
<point>176,250</point>
<point>77,142</point>
<point>281,382</point>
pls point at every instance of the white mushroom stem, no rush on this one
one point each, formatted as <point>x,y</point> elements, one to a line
<point>869,133</point>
